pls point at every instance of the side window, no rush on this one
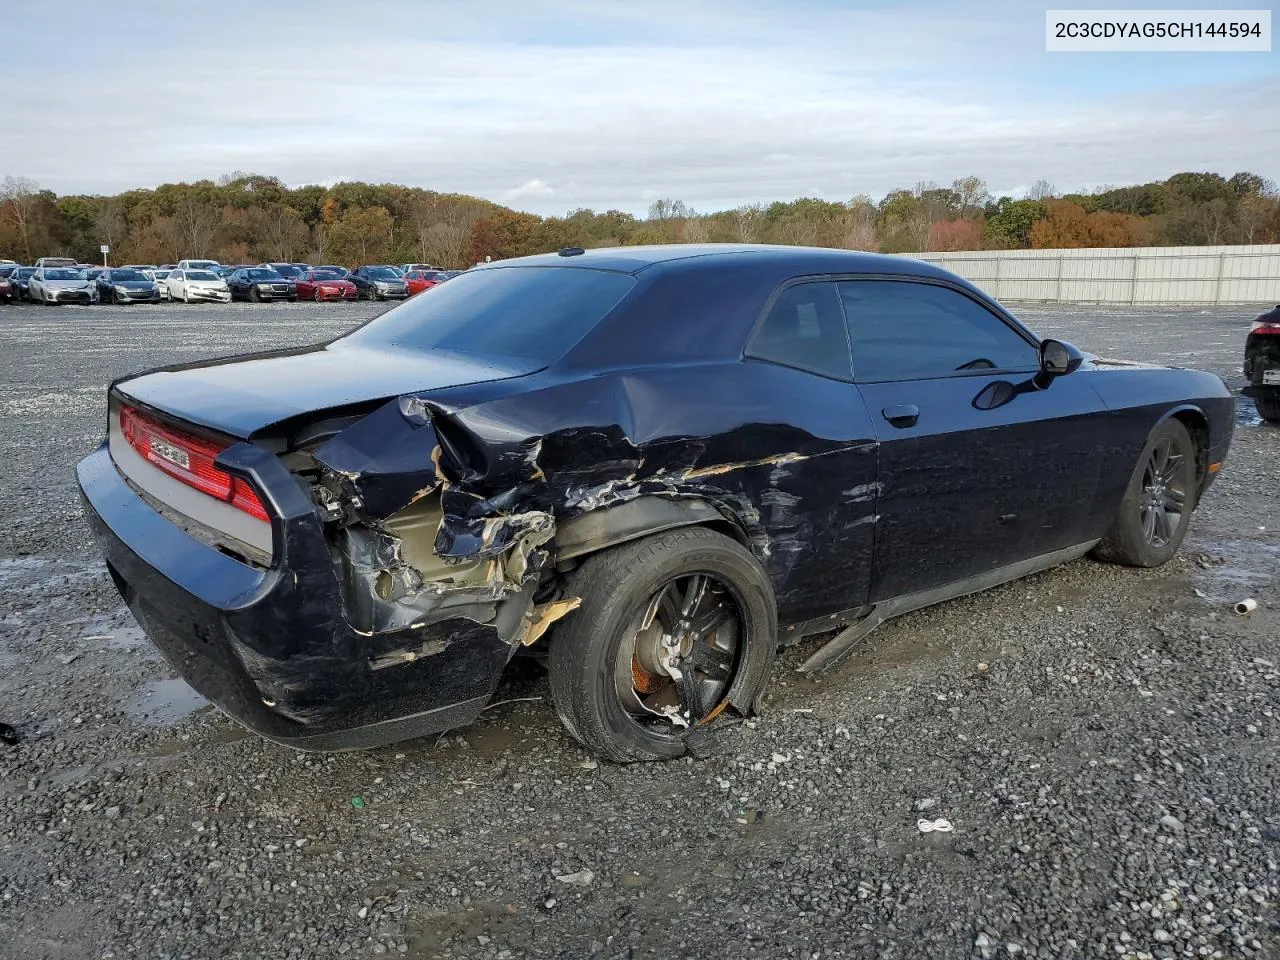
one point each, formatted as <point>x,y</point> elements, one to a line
<point>916,331</point>
<point>804,328</point>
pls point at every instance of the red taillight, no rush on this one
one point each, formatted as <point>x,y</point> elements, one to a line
<point>189,459</point>
<point>1266,329</point>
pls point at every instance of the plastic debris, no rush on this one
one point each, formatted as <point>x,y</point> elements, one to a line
<point>940,825</point>
<point>579,878</point>
<point>8,735</point>
<point>1246,606</point>
<point>358,802</point>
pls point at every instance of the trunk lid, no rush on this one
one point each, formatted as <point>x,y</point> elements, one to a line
<point>242,395</point>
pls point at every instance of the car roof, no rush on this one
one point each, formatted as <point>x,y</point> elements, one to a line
<point>799,259</point>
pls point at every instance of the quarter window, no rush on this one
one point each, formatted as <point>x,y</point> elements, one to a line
<point>914,331</point>
<point>805,329</point>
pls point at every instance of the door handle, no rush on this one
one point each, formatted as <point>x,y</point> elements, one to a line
<point>902,415</point>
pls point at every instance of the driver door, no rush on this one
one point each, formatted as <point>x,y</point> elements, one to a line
<point>966,486</point>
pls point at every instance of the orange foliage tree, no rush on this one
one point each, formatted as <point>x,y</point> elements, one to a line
<point>955,235</point>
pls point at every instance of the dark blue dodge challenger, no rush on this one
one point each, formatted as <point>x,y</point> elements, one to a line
<point>653,465</point>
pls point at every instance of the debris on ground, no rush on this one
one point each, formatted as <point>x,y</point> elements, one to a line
<point>941,825</point>
<point>579,878</point>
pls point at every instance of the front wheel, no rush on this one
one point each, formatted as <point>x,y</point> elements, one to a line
<point>254,295</point>
<point>1157,505</point>
<point>1268,407</point>
<point>672,629</point>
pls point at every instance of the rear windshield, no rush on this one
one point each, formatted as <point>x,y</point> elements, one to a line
<point>287,270</point>
<point>525,313</point>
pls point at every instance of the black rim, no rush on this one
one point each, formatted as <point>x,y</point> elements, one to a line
<point>1164,493</point>
<point>676,665</point>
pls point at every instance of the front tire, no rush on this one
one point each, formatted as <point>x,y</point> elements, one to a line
<point>672,629</point>
<point>1157,504</point>
<point>1268,407</point>
<point>254,295</point>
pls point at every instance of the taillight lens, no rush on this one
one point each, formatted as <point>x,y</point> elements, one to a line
<point>1266,329</point>
<point>189,459</point>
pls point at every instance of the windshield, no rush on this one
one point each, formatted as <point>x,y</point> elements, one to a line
<point>128,276</point>
<point>527,313</point>
<point>382,273</point>
<point>159,274</point>
<point>62,275</point>
<point>7,269</point>
<point>262,275</point>
<point>324,275</point>
<point>202,275</point>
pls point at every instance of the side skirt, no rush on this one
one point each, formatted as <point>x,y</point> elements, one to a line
<point>842,644</point>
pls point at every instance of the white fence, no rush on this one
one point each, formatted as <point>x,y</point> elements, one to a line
<point>1153,275</point>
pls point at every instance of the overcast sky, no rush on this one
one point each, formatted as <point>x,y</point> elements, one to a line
<point>549,106</point>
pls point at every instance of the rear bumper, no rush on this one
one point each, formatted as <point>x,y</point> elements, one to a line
<point>271,648</point>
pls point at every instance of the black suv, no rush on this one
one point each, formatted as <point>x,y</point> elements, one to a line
<point>1262,365</point>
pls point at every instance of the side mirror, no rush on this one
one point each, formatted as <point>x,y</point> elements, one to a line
<point>1057,359</point>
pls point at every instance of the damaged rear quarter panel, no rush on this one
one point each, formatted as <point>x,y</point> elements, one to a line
<point>780,452</point>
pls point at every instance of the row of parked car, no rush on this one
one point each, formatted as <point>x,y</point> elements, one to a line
<point>55,280</point>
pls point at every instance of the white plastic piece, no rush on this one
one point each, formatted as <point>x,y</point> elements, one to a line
<point>934,826</point>
<point>1246,606</point>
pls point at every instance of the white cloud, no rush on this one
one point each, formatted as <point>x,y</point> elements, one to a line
<point>709,102</point>
<point>531,188</point>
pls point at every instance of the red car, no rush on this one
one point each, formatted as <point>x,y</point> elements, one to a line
<point>419,280</point>
<point>325,285</point>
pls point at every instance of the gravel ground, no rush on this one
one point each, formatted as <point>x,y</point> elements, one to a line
<point>1112,775</point>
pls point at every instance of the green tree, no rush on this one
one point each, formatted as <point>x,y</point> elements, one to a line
<point>1009,225</point>
<point>362,235</point>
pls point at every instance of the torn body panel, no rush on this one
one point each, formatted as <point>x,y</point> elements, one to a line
<point>514,470</point>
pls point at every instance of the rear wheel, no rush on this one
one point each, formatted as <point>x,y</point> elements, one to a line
<point>672,628</point>
<point>1157,504</point>
<point>1268,407</point>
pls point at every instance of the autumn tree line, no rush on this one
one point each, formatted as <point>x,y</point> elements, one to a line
<point>249,218</point>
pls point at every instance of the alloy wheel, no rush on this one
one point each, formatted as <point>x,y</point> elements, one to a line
<point>1164,494</point>
<point>674,670</point>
